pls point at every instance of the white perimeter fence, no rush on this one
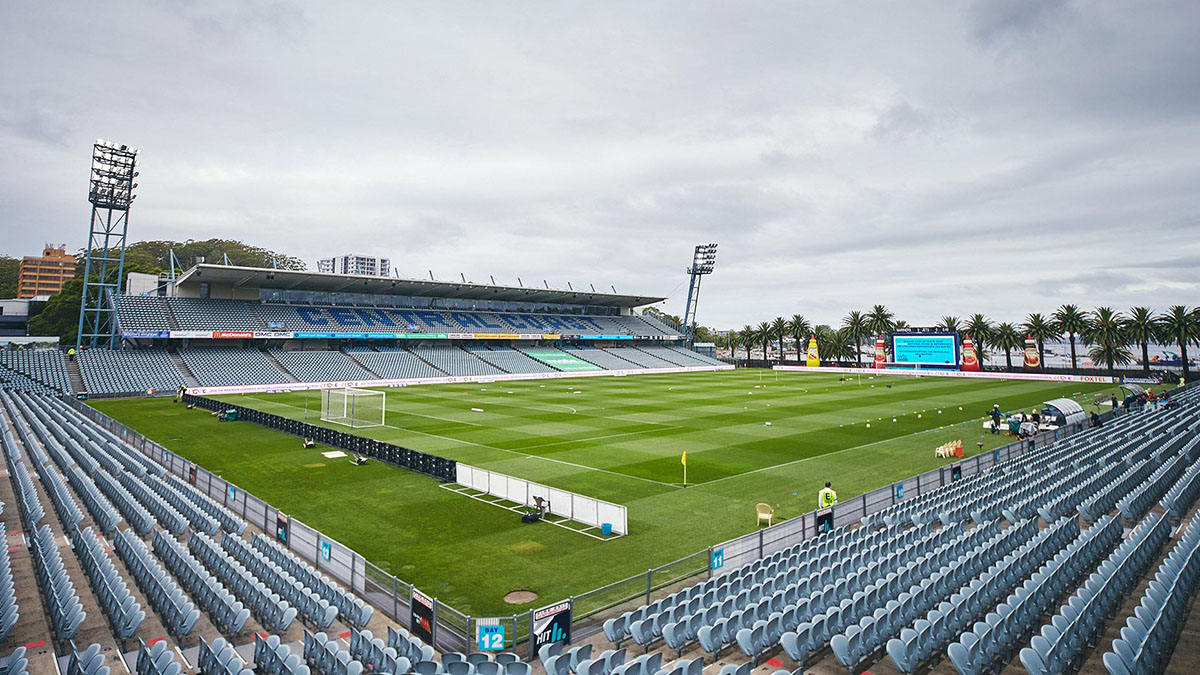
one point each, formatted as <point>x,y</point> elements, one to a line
<point>577,507</point>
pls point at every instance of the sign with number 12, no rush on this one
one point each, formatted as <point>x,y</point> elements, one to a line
<point>490,638</point>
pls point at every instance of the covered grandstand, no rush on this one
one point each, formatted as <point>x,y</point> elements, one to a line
<point>219,326</point>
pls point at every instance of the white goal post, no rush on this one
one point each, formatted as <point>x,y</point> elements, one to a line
<point>355,408</point>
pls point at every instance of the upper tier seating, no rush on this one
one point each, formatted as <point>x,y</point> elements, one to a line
<point>393,363</point>
<point>157,313</point>
<point>321,366</point>
<point>129,371</point>
<point>455,361</point>
<point>198,314</point>
<point>219,366</point>
<point>46,366</point>
<point>142,312</point>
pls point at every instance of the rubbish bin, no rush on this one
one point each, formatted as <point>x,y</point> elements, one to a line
<point>605,529</point>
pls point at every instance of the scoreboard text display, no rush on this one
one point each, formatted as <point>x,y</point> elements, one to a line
<point>925,349</point>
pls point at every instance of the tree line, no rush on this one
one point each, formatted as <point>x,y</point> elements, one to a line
<point>1109,334</point>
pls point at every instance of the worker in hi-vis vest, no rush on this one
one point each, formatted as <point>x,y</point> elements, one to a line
<point>826,497</point>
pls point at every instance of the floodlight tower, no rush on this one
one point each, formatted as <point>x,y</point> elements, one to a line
<point>703,261</point>
<point>111,194</point>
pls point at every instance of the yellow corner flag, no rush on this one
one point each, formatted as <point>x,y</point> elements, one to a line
<point>683,460</point>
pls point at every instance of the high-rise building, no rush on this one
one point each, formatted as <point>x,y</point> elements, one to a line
<point>363,265</point>
<point>45,275</point>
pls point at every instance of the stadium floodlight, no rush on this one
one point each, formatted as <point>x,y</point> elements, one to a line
<point>111,192</point>
<point>704,260</point>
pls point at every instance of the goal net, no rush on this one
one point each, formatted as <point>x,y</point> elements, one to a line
<point>353,407</point>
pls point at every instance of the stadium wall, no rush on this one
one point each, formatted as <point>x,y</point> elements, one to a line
<point>303,386</point>
<point>932,372</point>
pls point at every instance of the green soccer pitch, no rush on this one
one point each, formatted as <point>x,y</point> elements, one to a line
<point>613,438</point>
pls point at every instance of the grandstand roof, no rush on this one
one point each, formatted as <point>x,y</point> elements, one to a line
<point>261,277</point>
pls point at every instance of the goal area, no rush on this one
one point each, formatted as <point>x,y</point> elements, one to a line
<point>355,408</point>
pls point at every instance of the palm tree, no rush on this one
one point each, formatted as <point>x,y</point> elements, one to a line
<point>880,321</point>
<point>855,325</point>
<point>845,347</point>
<point>1008,338</point>
<point>765,334</point>
<point>1070,320</point>
<point>948,324</point>
<point>1142,328</point>
<point>779,328</point>
<point>981,330</point>
<point>1182,326</point>
<point>900,324</point>
<point>800,329</point>
<point>747,339</point>
<point>1107,338</point>
<point>1041,329</point>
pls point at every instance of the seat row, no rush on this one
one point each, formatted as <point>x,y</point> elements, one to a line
<point>1058,646</point>
<point>16,663</point>
<point>226,612</point>
<point>178,613</point>
<point>273,658</point>
<point>858,589</point>
<point>310,605</point>
<point>28,504</point>
<point>123,611</point>
<point>60,497</point>
<point>942,625</point>
<point>272,611</point>
<point>103,513</point>
<point>228,520</point>
<point>156,659</point>
<point>1135,504</point>
<point>326,657</point>
<point>9,610</point>
<point>62,603</point>
<point>352,609</point>
<point>1184,492</point>
<point>1147,637</point>
<point>990,640</point>
<point>136,515</point>
<point>220,658</point>
<point>375,655</point>
<point>88,662</point>
<point>169,518</point>
<point>194,514</point>
<point>874,628</point>
<point>408,646</point>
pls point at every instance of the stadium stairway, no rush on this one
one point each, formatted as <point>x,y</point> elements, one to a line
<point>74,375</point>
<point>278,364</point>
<point>188,376</point>
<point>360,364</point>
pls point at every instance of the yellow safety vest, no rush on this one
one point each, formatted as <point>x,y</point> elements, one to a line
<point>826,498</point>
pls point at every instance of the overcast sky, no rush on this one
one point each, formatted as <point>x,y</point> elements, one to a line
<point>1001,156</point>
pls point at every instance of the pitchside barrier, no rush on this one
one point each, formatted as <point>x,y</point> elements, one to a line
<point>505,377</point>
<point>932,372</point>
<point>577,507</point>
<point>413,460</point>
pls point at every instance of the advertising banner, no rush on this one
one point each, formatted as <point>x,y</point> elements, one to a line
<point>1041,377</point>
<point>880,352</point>
<point>970,358</point>
<point>421,621</point>
<point>192,334</point>
<point>145,333</point>
<point>273,334</point>
<point>552,624</point>
<point>233,334</point>
<point>814,353</point>
<point>1033,359</point>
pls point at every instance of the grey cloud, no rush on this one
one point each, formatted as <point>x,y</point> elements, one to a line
<point>941,159</point>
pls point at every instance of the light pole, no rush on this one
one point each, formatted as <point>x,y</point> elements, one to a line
<point>703,260</point>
